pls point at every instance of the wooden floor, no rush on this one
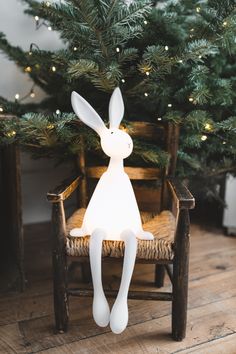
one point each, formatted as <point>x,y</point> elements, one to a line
<point>26,320</point>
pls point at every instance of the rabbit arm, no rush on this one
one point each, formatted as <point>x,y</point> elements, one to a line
<point>145,235</point>
<point>78,232</point>
<point>101,311</point>
<point>119,313</point>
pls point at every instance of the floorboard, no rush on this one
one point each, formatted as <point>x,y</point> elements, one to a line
<point>26,319</point>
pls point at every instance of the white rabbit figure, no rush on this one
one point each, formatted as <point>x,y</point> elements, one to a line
<point>112,213</point>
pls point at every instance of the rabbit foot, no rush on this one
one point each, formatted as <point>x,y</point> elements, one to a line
<point>101,310</point>
<point>119,316</point>
<point>77,232</point>
<point>145,235</point>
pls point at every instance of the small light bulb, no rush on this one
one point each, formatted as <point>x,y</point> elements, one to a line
<point>207,126</point>
<point>17,96</point>
<point>166,47</point>
<point>190,99</point>
<point>224,142</point>
<point>53,68</point>
<point>36,18</point>
<point>200,57</point>
<point>203,137</point>
<point>159,118</point>
<point>49,28</point>
<point>169,105</point>
<point>192,30</point>
<point>198,9</point>
<point>32,94</point>
<point>11,134</point>
<point>1,109</point>
<point>123,80</point>
<point>48,3</point>
<point>58,111</point>
<point>145,94</point>
<point>28,69</point>
<point>147,73</point>
<point>117,50</point>
<point>75,49</point>
<point>225,23</point>
<point>180,61</point>
<point>30,53</point>
<point>145,22</point>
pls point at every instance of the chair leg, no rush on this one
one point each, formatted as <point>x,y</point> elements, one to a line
<point>86,273</point>
<point>159,275</point>
<point>59,268</point>
<point>60,301</point>
<point>180,277</point>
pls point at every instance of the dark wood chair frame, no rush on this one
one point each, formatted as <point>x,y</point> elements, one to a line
<point>12,235</point>
<point>176,197</point>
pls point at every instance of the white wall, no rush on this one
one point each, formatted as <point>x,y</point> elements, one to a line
<point>20,30</point>
<point>37,175</point>
<point>229,218</point>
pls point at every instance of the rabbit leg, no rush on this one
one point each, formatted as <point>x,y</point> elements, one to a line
<point>119,314</point>
<point>101,310</point>
<point>77,232</point>
<point>145,235</point>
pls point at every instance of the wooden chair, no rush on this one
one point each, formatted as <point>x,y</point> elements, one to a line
<point>171,229</point>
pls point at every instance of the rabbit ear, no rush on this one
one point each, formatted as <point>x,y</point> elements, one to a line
<point>86,113</point>
<point>116,108</point>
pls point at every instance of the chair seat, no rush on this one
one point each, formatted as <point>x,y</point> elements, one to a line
<point>161,248</point>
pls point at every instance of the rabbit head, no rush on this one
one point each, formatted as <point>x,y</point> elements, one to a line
<point>115,142</point>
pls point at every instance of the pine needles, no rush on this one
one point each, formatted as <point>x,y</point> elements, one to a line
<point>174,62</point>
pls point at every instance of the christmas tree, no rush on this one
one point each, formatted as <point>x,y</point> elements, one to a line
<point>174,61</point>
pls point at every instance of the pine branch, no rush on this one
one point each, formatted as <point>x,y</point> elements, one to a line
<point>135,11</point>
<point>175,62</point>
<point>81,67</point>
<point>13,53</point>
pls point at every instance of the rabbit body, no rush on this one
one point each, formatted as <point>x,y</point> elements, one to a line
<point>117,209</point>
<point>112,213</point>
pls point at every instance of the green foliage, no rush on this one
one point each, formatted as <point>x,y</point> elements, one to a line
<point>175,60</point>
<point>61,137</point>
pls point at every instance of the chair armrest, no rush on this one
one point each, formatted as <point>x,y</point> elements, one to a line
<point>181,194</point>
<point>64,190</point>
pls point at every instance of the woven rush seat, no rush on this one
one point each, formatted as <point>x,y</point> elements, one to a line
<point>162,226</point>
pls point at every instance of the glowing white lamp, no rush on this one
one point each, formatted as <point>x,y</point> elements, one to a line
<point>112,213</point>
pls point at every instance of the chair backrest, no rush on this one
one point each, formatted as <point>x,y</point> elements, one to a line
<point>150,198</point>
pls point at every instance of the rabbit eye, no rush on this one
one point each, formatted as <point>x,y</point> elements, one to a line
<point>112,132</point>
